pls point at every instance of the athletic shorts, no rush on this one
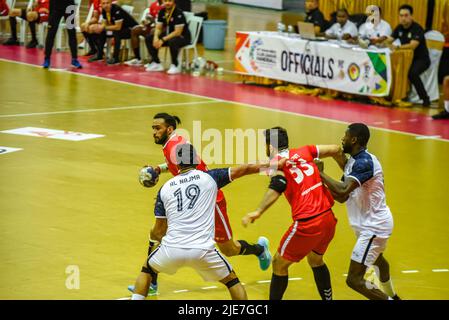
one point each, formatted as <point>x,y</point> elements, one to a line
<point>368,248</point>
<point>209,264</point>
<point>304,237</point>
<point>223,231</point>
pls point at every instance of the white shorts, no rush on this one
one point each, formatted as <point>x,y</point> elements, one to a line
<point>368,248</point>
<point>209,264</point>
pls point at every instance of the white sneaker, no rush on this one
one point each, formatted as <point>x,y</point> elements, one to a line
<point>134,62</point>
<point>174,69</point>
<point>154,67</point>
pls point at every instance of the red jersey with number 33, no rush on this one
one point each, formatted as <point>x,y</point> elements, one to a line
<point>170,158</point>
<point>305,191</point>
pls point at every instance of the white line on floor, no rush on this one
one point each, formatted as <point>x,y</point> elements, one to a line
<point>428,137</point>
<point>224,101</point>
<point>410,271</point>
<point>264,281</point>
<point>108,109</point>
<point>294,279</point>
<point>208,288</point>
<point>395,121</point>
<point>179,291</point>
<point>440,270</point>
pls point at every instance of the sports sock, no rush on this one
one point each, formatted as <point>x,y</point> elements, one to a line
<point>33,30</point>
<point>278,286</point>
<point>247,248</point>
<point>13,23</point>
<point>388,288</point>
<point>446,105</point>
<point>323,281</point>
<point>154,279</point>
<point>137,53</point>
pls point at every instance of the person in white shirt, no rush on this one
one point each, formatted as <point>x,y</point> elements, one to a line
<point>185,224</point>
<point>375,31</point>
<point>362,188</point>
<point>343,29</point>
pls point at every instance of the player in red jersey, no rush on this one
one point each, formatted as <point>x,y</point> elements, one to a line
<point>4,8</point>
<point>313,220</point>
<point>38,13</point>
<point>86,26</point>
<point>164,126</point>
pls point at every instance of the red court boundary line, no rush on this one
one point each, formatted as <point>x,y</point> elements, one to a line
<point>379,117</point>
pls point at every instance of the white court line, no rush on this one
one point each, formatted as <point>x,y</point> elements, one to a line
<point>410,271</point>
<point>428,137</point>
<point>440,270</point>
<point>294,279</point>
<point>125,298</point>
<point>395,121</point>
<point>208,288</point>
<point>225,101</point>
<point>107,109</point>
<point>264,281</point>
<point>180,291</point>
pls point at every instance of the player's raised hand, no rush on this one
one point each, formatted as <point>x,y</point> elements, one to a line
<point>250,218</point>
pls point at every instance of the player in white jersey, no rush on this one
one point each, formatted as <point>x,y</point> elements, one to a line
<point>362,188</point>
<point>185,224</point>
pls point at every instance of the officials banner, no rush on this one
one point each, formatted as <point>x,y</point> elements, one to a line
<point>316,63</point>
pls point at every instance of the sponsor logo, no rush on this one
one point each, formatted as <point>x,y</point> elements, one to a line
<point>354,72</point>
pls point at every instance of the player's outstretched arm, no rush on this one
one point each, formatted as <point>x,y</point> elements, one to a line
<point>246,169</point>
<point>270,197</point>
<point>333,151</point>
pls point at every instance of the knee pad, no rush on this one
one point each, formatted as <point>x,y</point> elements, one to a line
<point>148,270</point>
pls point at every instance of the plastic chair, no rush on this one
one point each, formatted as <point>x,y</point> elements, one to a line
<point>23,24</point>
<point>435,43</point>
<point>195,24</point>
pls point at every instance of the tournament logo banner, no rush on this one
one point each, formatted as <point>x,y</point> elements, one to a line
<point>315,63</point>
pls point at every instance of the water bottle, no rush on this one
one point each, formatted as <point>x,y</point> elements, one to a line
<point>290,30</point>
<point>281,28</point>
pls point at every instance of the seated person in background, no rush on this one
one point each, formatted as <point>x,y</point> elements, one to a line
<point>411,36</point>
<point>172,31</point>
<point>315,16</point>
<point>445,113</point>
<point>36,14</point>
<point>375,32</point>
<point>85,27</point>
<point>117,21</point>
<point>343,29</point>
<point>4,9</point>
<point>145,29</point>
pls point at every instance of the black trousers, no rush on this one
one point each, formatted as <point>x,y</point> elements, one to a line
<point>100,40</point>
<point>56,14</point>
<point>416,69</point>
<point>174,44</point>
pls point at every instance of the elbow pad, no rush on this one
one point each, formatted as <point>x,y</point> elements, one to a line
<point>278,183</point>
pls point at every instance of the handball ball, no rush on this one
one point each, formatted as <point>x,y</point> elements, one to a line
<point>148,177</point>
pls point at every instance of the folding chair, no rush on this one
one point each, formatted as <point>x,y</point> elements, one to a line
<point>23,24</point>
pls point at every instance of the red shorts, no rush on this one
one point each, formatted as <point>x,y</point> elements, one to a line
<point>223,231</point>
<point>304,237</point>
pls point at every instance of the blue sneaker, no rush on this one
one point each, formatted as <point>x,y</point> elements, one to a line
<point>152,291</point>
<point>46,64</point>
<point>76,64</point>
<point>265,256</point>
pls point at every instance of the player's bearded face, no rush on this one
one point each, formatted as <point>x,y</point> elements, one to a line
<point>160,131</point>
<point>346,143</point>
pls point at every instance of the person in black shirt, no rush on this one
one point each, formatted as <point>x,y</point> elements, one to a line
<point>315,16</point>
<point>411,35</point>
<point>172,31</point>
<point>117,21</point>
<point>59,9</point>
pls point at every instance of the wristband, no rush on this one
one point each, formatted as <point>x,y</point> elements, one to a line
<point>163,167</point>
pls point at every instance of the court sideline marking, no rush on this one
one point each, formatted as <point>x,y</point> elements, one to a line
<point>226,101</point>
<point>108,109</point>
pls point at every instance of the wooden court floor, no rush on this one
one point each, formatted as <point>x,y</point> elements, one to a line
<point>66,203</point>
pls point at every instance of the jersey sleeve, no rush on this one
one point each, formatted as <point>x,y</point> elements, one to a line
<point>314,151</point>
<point>395,33</point>
<point>418,34</point>
<point>180,19</point>
<point>362,171</point>
<point>221,176</point>
<point>159,209</point>
<point>160,17</point>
